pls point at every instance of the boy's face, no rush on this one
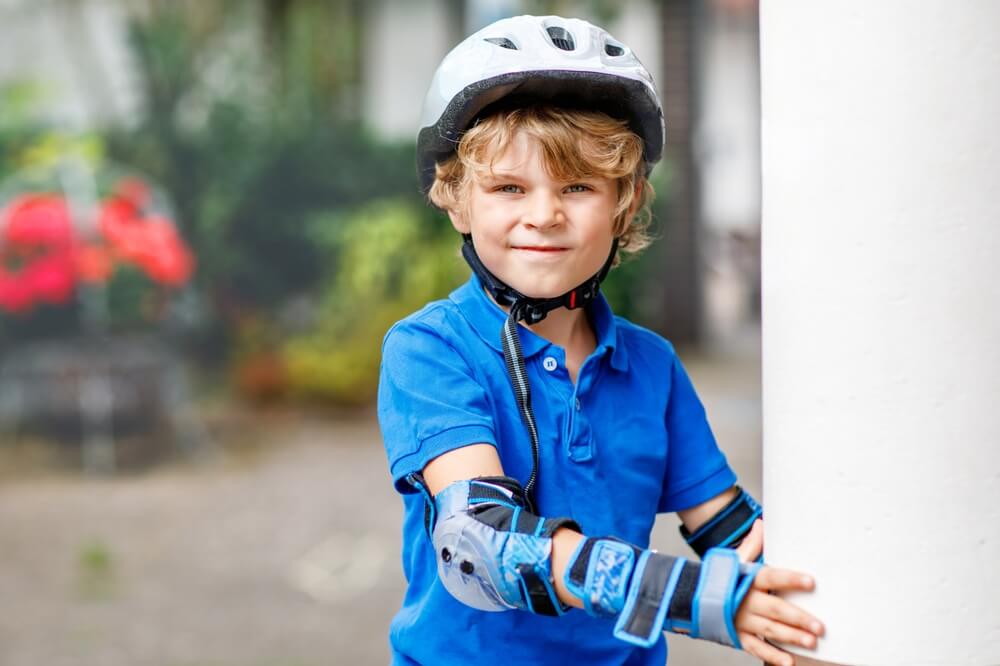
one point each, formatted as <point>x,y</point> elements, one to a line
<point>541,236</point>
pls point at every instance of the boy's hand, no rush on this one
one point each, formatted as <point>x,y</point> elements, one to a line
<point>765,616</point>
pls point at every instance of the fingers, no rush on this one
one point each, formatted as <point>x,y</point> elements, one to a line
<point>768,653</point>
<point>769,578</point>
<point>765,617</point>
<point>777,632</point>
<point>753,543</point>
<point>759,607</point>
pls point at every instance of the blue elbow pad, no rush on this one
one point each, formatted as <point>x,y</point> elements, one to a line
<point>648,592</point>
<point>727,528</point>
<point>492,553</point>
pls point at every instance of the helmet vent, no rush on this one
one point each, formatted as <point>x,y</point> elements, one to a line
<point>613,49</point>
<point>502,41</point>
<point>561,38</point>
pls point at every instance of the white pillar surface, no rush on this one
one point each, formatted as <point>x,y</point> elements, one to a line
<point>881,322</point>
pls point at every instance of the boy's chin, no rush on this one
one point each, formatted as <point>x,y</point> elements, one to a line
<point>540,291</point>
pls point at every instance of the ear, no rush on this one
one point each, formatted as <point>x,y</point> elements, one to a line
<point>636,198</point>
<point>458,221</point>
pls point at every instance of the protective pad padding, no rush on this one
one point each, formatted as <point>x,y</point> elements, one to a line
<point>727,528</point>
<point>482,560</point>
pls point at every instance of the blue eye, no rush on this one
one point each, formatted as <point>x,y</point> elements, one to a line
<point>578,187</point>
<point>509,189</point>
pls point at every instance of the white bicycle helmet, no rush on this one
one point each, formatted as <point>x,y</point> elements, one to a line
<point>536,59</point>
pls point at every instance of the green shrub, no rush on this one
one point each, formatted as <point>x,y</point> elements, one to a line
<point>395,256</point>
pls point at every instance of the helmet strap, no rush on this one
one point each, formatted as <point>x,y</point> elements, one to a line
<point>534,310</point>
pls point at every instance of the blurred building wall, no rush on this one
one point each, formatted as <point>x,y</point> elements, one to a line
<point>78,51</point>
<point>728,128</point>
<point>403,44</point>
<point>727,152</point>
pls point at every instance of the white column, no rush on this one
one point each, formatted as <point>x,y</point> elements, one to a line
<point>881,347</point>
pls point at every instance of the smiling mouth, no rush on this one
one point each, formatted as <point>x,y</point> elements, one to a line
<point>538,248</point>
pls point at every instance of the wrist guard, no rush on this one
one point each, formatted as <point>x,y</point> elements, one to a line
<point>727,528</point>
<point>649,592</point>
<point>492,553</point>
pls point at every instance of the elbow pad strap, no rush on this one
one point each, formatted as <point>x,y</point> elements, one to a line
<point>727,528</point>
<point>492,553</point>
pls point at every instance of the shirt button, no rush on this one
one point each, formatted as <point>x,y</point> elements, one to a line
<point>549,363</point>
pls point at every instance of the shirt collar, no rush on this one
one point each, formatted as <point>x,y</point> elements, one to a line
<point>488,318</point>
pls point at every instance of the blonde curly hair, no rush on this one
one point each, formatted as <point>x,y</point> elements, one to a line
<point>574,144</point>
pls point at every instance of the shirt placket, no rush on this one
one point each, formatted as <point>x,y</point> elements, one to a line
<point>579,439</point>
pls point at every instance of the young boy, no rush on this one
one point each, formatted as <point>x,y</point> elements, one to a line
<point>520,414</point>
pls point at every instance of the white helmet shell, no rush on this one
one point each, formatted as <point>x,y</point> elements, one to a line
<point>536,59</point>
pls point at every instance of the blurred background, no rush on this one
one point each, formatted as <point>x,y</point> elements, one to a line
<point>209,216</point>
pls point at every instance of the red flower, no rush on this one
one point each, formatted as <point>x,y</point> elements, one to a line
<point>41,261</point>
<point>51,278</point>
<point>162,254</point>
<point>116,218</point>
<point>38,219</point>
<point>134,191</point>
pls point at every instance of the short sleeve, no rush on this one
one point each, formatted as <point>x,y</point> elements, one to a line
<point>696,469</point>
<point>429,401</point>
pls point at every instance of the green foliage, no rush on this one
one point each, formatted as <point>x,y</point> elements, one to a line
<point>625,283</point>
<point>18,127</point>
<point>621,287</point>
<point>395,257</point>
<point>252,125</point>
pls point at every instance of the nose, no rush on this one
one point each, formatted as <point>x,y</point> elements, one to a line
<point>544,210</point>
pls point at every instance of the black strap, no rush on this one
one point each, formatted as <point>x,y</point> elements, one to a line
<point>531,311</point>
<point>652,585</point>
<point>683,597</point>
<point>578,571</point>
<point>540,595</point>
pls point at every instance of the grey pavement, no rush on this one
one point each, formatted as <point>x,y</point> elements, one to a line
<point>282,552</point>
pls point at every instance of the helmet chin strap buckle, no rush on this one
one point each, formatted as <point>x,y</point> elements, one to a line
<point>532,314</point>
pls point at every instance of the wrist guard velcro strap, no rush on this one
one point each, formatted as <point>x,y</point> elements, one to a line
<point>722,584</point>
<point>652,589</point>
<point>493,554</point>
<point>673,594</point>
<point>727,528</point>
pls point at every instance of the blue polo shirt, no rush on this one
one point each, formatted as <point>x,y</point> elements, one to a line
<point>627,441</point>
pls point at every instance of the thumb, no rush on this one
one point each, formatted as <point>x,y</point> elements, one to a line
<point>753,543</point>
